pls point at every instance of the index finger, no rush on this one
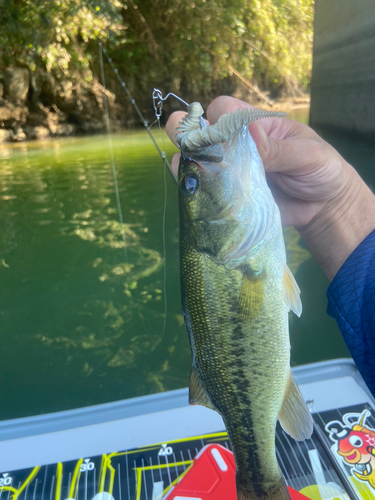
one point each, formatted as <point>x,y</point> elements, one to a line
<point>278,128</point>
<point>172,124</point>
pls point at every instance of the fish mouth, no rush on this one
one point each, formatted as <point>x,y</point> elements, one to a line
<point>363,469</point>
<point>353,456</point>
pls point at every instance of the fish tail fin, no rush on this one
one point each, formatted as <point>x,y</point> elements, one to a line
<point>279,492</point>
<point>294,416</point>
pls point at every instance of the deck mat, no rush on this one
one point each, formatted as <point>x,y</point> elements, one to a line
<point>337,462</point>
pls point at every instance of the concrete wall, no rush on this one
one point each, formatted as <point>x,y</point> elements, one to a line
<point>343,79</point>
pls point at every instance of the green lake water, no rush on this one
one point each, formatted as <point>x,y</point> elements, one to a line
<point>82,323</point>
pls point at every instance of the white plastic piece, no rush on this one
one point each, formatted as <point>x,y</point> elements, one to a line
<point>157,492</point>
<point>103,496</point>
<point>187,498</point>
<point>316,466</point>
<point>219,459</point>
<point>328,491</point>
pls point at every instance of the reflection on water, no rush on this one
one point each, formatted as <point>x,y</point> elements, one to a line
<point>81,323</point>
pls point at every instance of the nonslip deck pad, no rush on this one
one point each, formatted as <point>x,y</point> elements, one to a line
<point>337,462</point>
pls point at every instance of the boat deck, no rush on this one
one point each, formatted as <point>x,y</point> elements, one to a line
<point>157,447</point>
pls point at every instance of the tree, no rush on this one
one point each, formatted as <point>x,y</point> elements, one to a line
<point>197,48</point>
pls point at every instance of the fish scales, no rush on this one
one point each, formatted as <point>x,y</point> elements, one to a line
<point>237,357</point>
<point>233,283</point>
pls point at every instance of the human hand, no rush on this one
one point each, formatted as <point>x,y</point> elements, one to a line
<point>316,190</point>
<point>304,172</point>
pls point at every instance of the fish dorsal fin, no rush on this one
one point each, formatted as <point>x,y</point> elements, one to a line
<point>291,292</point>
<point>294,416</point>
<point>197,395</point>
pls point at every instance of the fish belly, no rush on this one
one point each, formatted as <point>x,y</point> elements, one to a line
<point>238,330</point>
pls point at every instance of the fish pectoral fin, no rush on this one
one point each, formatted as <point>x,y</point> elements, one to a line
<point>292,292</point>
<point>294,416</point>
<point>251,296</point>
<point>197,395</point>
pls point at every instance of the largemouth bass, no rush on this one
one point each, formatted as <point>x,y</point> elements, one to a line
<point>236,294</point>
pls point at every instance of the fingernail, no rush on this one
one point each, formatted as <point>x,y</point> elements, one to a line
<point>264,138</point>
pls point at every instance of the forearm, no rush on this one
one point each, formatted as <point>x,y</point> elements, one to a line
<point>341,225</point>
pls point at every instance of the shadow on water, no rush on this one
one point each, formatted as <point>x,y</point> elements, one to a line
<point>80,325</point>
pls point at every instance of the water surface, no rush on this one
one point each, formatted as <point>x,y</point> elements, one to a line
<point>82,323</point>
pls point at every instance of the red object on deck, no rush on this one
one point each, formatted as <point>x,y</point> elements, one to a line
<point>296,495</point>
<point>212,477</point>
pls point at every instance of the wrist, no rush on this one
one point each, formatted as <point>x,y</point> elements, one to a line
<point>341,225</point>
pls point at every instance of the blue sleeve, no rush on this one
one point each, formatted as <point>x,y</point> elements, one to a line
<point>351,301</point>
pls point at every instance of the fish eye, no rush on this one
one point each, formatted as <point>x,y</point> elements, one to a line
<point>355,441</point>
<point>189,184</point>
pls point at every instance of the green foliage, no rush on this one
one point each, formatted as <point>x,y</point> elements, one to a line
<point>199,42</point>
<point>54,35</point>
<point>188,46</point>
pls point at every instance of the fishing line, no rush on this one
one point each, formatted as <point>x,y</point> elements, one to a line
<point>164,241</point>
<point>152,124</point>
<point>113,166</point>
<point>138,111</point>
<point>161,153</point>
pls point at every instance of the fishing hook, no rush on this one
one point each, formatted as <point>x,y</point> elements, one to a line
<point>158,99</point>
<point>186,157</point>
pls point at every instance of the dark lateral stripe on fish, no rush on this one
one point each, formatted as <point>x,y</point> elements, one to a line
<point>249,447</point>
<point>241,425</point>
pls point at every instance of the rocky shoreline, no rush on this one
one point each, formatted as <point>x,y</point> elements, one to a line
<point>30,110</point>
<point>18,124</point>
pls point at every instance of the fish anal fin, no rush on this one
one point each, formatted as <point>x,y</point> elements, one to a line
<point>291,292</point>
<point>197,395</point>
<point>294,416</point>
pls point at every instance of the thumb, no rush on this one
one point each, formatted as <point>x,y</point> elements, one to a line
<point>287,155</point>
<point>268,147</point>
<point>260,138</point>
